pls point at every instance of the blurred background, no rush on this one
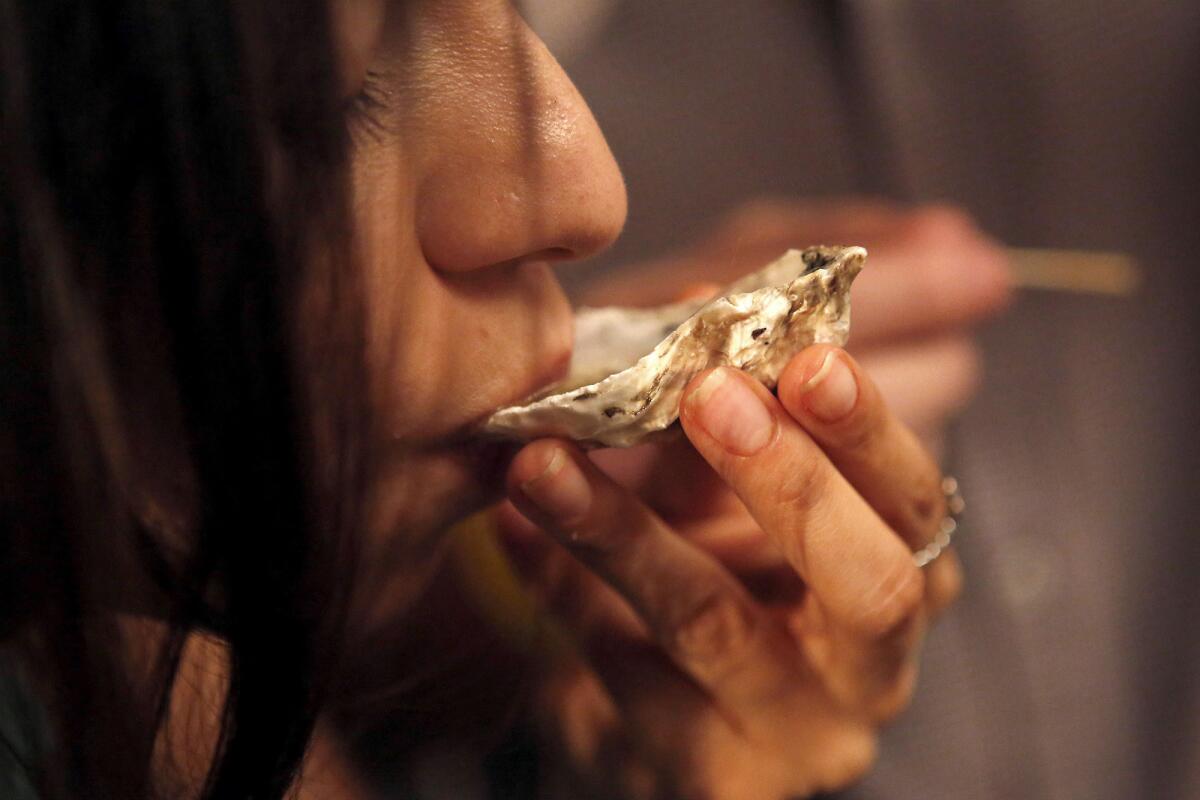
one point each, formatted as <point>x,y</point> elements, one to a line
<point>1068,669</point>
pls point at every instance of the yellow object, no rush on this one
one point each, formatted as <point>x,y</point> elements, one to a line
<point>488,578</point>
<point>1115,274</point>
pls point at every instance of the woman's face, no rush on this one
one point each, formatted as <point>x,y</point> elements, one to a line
<point>476,168</point>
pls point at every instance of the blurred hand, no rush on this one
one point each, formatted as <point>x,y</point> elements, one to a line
<point>747,620</point>
<point>931,276</point>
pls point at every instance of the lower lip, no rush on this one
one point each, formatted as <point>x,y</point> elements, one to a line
<point>553,372</point>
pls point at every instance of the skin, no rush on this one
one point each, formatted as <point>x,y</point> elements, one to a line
<point>480,169</point>
<point>776,614</point>
<point>932,277</point>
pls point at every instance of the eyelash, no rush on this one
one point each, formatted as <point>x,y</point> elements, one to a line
<point>365,111</point>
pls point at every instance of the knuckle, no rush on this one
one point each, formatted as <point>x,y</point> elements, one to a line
<point>925,509</point>
<point>916,512</point>
<point>893,603</point>
<point>805,481</point>
<point>713,632</point>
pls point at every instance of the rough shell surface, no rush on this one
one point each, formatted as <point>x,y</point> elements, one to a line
<point>630,366</point>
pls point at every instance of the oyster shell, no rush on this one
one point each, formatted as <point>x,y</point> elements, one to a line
<point>617,395</point>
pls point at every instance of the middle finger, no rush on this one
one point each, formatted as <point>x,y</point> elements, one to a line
<point>859,571</point>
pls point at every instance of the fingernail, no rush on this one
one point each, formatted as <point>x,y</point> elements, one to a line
<point>732,413</point>
<point>832,391</point>
<point>560,490</point>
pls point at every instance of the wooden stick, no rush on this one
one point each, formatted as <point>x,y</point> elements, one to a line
<point>1085,271</point>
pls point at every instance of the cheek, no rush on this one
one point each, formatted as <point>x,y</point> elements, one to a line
<point>403,302</point>
<point>445,348</point>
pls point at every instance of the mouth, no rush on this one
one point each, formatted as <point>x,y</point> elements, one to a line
<point>489,457</point>
<point>540,378</point>
<point>543,376</point>
<point>549,375</point>
<point>503,337</point>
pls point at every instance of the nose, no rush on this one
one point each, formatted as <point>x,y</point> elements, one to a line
<point>516,167</point>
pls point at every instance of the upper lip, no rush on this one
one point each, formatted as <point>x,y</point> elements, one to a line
<point>554,362</point>
<point>554,370</point>
<point>548,371</point>
<point>549,355</point>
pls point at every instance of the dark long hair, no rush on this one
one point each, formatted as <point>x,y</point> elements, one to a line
<point>171,182</point>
